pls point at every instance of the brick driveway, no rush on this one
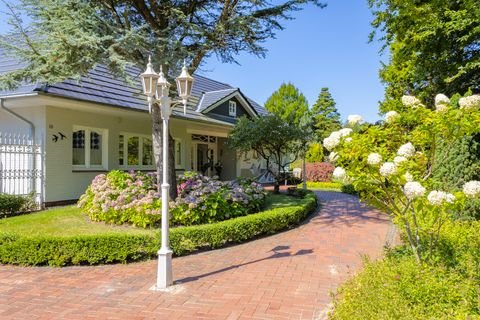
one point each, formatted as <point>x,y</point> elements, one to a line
<point>285,276</point>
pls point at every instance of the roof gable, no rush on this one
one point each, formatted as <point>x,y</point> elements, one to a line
<point>212,100</point>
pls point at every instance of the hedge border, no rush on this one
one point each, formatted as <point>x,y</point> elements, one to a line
<point>120,248</point>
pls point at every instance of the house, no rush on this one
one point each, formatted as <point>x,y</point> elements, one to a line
<point>101,123</point>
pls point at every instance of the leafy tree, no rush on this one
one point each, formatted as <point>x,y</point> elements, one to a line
<point>288,102</point>
<point>325,114</point>
<point>274,139</point>
<point>67,38</point>
<point>314,153</point>
<point>434,46</point>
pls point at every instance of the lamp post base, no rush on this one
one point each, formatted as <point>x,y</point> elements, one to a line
<point>164,270</point>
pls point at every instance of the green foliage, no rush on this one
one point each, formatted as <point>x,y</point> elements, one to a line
<point>398,288</point>
<point>384,184</point>
<point>433,46</point>
<point>79,249</point>
<point>66,38</point>
<point>349,189</point>
<point>271,137</point>
<point>314,153</point>
<point>325,115</point>
<point>288,103</point>
<point>11,204</point>
<point>76,250</point>
<point>324,186</point>
<point>460,163</point>
<point>189,239</point>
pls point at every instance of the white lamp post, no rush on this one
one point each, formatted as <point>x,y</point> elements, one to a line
<point>156,88</point>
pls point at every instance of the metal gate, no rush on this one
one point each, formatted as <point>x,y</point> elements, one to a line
<point>21,166</point>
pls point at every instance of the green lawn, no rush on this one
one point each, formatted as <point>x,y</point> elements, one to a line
<point>63,221</point>
<point>324,186</point>
<point>67,221</point>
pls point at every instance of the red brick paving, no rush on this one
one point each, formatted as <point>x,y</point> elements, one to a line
<point>285,276</point>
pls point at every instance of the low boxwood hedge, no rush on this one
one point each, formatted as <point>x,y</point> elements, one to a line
<point>112,248</point>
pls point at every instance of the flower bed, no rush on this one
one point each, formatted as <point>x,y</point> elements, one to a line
<point>120,197</point>
<point>204,200</point>
<point>87,249</point>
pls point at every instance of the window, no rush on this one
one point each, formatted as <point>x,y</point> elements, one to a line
<point>135,151</point>
<point>232,108</point>
<point>89,148</point>
<point>178,154</point>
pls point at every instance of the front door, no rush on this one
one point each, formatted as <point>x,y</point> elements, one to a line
<point>204,158</point>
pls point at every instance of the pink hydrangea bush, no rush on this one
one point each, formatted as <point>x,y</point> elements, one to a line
<point>203,199</point>
<point>120,197</point>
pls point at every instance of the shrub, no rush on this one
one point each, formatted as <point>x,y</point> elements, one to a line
<point>11,204</point>
<point>204,200</point>
<point>314,153</point>
<point>349,189</point>
<point>399,288</point>
<point>319,172</point>
<point>119,197</point>
<point>110,248</point>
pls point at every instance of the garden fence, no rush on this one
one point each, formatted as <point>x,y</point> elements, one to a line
<point>21,166</point>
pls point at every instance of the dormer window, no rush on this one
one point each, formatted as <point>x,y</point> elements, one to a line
<point>232,108</point>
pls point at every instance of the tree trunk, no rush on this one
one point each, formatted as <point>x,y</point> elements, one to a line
<point>157,127</point>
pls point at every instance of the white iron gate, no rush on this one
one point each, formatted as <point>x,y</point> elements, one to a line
<point>21,166</point>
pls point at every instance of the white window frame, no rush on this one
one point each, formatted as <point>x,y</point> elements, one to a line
<point>180,165</point>
<point>232,108</point>
<point>87,145</point>
<point>126,136</point>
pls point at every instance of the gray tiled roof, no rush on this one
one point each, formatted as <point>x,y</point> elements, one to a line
<point>211,97</point>
<point>101,86</point>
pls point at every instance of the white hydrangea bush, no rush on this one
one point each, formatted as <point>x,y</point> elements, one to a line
<point>391,164</point>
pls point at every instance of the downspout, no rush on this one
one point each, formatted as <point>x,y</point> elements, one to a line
<point>16,115</point>
<point>32,134</point>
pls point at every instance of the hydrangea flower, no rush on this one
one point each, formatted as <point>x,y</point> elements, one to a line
<point>374,159</point>
<point>408,177</point>
<point>388,169</point>
<point>407,150</point>
<point>354,119</point>
<point>470,103</point>
<point>472,189</point>
<point>345,132</point>
<point>414,190</point>
<point>437,198</point>
<point>339,173</point>
<point>391,116</point>
<point>332,141</point>
<point>399,159</point>
<point>333,156</point>
<point>411,101</point>
<point>441,99</point>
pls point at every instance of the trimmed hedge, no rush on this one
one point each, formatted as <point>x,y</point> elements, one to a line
<point>112,248</point>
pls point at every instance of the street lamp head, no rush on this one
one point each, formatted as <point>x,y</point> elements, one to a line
<point>163,86</point>
<point>184,84</point>
<point>149,79</point>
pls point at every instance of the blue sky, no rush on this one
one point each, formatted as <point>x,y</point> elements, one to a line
<point>320,48</point>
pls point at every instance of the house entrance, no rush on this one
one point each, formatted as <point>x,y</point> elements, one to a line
<point>204,151</point>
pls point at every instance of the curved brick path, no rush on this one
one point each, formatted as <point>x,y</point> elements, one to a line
<point>285,276</point>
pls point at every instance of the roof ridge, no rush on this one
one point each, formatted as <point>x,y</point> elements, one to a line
<point>199,75</point>
<point>234,89</point>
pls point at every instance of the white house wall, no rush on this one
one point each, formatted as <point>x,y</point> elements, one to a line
<point>33,113</point>
<point>65,183</point>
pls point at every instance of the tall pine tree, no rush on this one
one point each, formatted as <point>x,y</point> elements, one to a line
<point>325,114</point>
